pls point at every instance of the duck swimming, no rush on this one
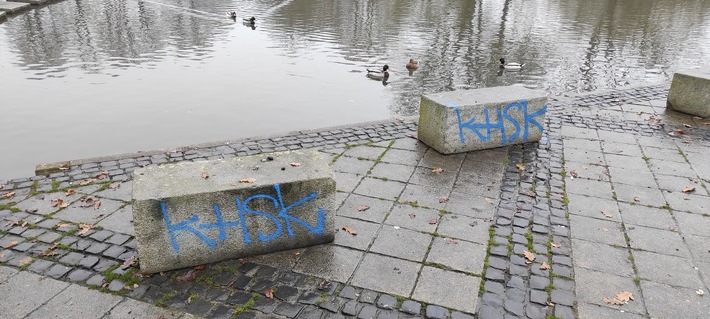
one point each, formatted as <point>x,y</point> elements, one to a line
<point>510,66</point>
<point>232,14</point>
<point>412,65</point>
<point>251,20</point>
<point>379,74</point>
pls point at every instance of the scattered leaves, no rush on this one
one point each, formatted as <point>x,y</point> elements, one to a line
<point>25,261</point>
<point>205,175</point>
<point>545,266</point>
<point>49,253</point>
<point>8,194</point>
<point>295,164</point>
<point>529,256</point>
<point>10,244</point>
<point>83,229</point>
<point>350,230</point>
<point>188,276</point>
<point>443,199</point>
<point>128,263</point>
<point>688,189</point>
<point>520,166</point>
<point>437,170</point>
<point>247,180</point>
<point>90,202</point>
<point>102,175</point>
<point>64,225</point>
<point>362,208</point>
<point>269,293</point>
<point>607,214</point>
<point>70,192</point>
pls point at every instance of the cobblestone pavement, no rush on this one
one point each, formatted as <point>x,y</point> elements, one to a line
<point>613,199</point>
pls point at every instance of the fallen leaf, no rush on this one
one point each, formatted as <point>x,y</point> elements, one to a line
<point>681,132</point>
<point>84,228</point>
<point>269,293</point>
<point>362,208</point>
<point>613,301</point>
<point>433,221</point>
<point>529,256</point>
<point>324,285</point>
<point>2,186</point>
<point>545,266</point>
<point>65,167</point>
<point>700,292</point>
<point>70,192</point>
<point>97,204</point>
<point>129,262</point>
<point>556,245</point>
<point>350,230</point>
<point>295,164</point>
<point>488,200</point>
<point>115,185</point>
<point>199,267</point>
<point>8,194</point>
<point>451,242</point>
<point>49,253</point>
<point>624,296</point>
<point>59,203</point>
<point>637,199</point>
<point>102,175</point>
<point>86,182</point>
<point>205,175</point>
<point>247,180</point>
<point>63,225</point>
<point>23,224</point>
<point>688,189</point>
<point>10,244</point>
<point>412,216</point>
<point>520,166</point>
<point>607,214</point>
<point>573,173</point>
<point>687,125</point>
<point>188,276</point>
<point>443,199</point>
<point>437,170</point>
<point>25,261</point>
<point>550,304</point>
<point>298,253</point>
<point>605,229</point>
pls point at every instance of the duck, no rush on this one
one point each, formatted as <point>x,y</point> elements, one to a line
<point>379,74</point>
<point>412,65</point>
<point>251,20</point>
<point>510,66</point>
<point>232,14</point>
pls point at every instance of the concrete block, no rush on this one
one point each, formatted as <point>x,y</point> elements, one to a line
<point>690,92</point>
<point>31,2</point>
<point>13,7</point>
<point>467,120</point>
<point>191,213</point>
<point>2,16</point>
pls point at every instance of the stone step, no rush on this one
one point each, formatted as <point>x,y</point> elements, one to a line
<point>193,213</point>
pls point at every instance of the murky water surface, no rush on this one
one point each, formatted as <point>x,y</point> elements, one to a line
<point>84,78</point>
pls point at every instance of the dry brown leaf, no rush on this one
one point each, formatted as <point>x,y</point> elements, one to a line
<point>102,175</point>
<point>550,304</point>
<point>624,296</point>
<point>607,214</point>
<point>529,256</point>
<point>269,293</point>
<point>613,301</point>
<point>25,261</point>
<point>188,276</point>
<point>298,253</point>
<point>70,192</point>
<point>362,208</point>
<point>59,203</point>
<point>637,199</point>
<point>350,230</point>
<point>520,166</point>
<point>443,199</point>
<point>23,224</point>
<point>8,194</point>
<point>2,186</point>
<point>114,186</point>
<point>451,242</point>
<point>681,132</point>
<point>437,170</point>
<point>128,262</point>
<point>574,174</point>
<point>84,228</point>
<point>248,180</point>
<point>605,229</point>
<point>488,200</point>
<point>86,182</point>
<point>97,204</point>
<point>205,175</point>
<point>545,266</point>
<point>295,164</point>
<point>688,189</point>
<point>324,285</point>
<point>433,221</point>
<point>63,225</point>
<point>10,244</point>
<point>49,253</point>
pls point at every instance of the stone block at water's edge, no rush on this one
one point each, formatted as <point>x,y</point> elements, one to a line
<point>467,120</point>
<point>690,92</point>
<point>193,213</point>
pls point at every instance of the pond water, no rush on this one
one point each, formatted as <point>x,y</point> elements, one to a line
<point>85,78</point>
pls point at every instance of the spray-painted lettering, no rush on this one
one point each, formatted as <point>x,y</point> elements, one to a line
<point>192,225</point>
<point>483,128</point>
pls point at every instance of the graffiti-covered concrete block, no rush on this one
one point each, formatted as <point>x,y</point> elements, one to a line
<point>193,213</point>
<point>690,92</point>
<point>467,120</point>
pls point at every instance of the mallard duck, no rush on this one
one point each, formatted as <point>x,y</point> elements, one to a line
<point>412,65</point>
<point>379,74</point>
<point>232,14</point>
<point>511,65</point>
<point>251,20</point>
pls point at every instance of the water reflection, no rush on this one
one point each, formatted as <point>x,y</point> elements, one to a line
<point>180,71</point>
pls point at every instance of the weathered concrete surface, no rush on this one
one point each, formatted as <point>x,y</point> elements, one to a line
<point>467,120</point>
<point>690,92</point>
<point>13,7</point>
<point>188,214</point>
<point>32,2</point>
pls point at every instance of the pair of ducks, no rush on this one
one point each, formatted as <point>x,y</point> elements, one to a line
<point>233,15</point>
<point>384,73</point>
